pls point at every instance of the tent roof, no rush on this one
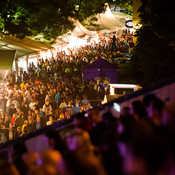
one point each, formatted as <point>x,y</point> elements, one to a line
<point>6,58</point>
<point>22,46</point>
<point>100,63</point>
<point>80,30</point>
<point>108,20</point>
<point>100,68</point>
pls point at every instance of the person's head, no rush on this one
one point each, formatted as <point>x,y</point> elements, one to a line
<point>38,118</point>
<point>79,140</point>
<point>18,129</point>
<point>53,162</point>
<point>26,104</point>
<point>157,107</point>
<point>8,86</point>
<point>21,115</point>
<point>51,119</point>
<point>55,140</point>
<point>6,118</point>
<point>18,110</point>
<point>41,91</point>
<point>94,115</point>
<point>13,106</point>
<point>34,107</point>
<point>125,111</point>
<point>31,159</point>
<point>85,96</point>
<point>47,102</point>
<point>147,99</point>
<point>139,109</point>
<point>29,112</point>
<point>36,111</point>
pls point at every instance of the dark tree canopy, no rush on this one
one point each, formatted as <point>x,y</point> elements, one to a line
<point>153,57</point>
<point>26,18</point>
<point>125,4</point>
<point>51,18</point>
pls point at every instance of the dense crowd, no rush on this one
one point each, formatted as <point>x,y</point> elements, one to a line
<point>52,90</point>
<point>140,141</point>
<point>30,106</point>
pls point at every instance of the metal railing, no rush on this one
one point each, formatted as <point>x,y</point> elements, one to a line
<point>69,122</point>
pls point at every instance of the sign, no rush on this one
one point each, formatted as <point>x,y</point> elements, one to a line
<point>129,24</point>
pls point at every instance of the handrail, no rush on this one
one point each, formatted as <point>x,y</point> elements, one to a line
<point>58,125</point>
<point>65,123</point>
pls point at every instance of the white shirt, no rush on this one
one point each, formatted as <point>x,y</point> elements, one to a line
<point>31,105</point>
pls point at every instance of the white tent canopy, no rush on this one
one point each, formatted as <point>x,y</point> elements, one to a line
<point>108,20</point>
<point>105,21</point>
<point>78,37</point>
<point>80,30</point>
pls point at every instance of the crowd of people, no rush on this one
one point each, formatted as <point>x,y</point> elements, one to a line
<point>30,106</point>
<point>138,141</point>
<point>52,90</point>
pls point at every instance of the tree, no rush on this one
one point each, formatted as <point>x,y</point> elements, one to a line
<point>125,4</point>
<point>50,18</point>
<point>153,58</point>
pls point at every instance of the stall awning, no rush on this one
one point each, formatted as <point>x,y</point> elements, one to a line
<point>7,58</point>
<point>22,46</point>
<point>6,62</point>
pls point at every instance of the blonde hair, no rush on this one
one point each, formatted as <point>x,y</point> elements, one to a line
<point>23,126</point>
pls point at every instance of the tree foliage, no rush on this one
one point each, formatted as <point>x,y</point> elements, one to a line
<point>51,18</point>
<point>153,57</point>
<point>125,4</point>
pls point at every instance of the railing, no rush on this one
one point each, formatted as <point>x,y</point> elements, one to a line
<point>69,122</point>
<point>58,125</point>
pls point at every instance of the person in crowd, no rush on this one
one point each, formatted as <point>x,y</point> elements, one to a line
<point>39,123</point>
<point>12,110</point>
<point>31,104</point>
<point>57,97</point>
<point>7,127</point>
<point>30,124</point>
<point>24,130</point>
<point>51,121</point>
<point>139,141</point>
<point>18,132</point>
<point>19,121</point>
<point>139,110</point>
<point>63,104</point>
<point>25,110</point>
<point>63,75</point>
